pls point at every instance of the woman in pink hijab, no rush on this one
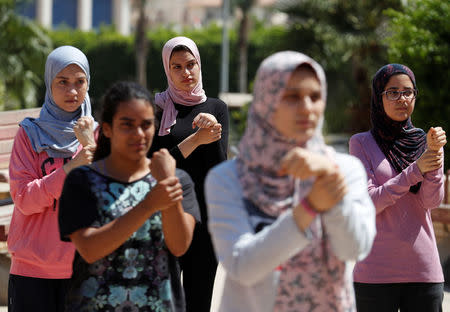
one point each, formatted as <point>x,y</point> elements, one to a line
<point>194,128</point>
<point>289,213</point>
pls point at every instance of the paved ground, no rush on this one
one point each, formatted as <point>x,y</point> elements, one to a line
<point>219,286</point>
<point>445,307</point>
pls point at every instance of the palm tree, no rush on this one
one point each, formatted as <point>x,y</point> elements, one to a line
<point>244,29</point>
<point>141,44</point>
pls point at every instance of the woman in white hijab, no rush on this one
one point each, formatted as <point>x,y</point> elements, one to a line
<point>289,213</point>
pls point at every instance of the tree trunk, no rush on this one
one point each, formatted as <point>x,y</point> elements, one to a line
<point>361,114</point>
<point>243,50</point>
<point>141,45</point>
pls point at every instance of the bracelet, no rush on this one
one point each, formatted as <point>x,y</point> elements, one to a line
<point>306,205</point>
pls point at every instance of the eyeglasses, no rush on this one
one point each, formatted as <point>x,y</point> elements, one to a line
<point>394,95</point>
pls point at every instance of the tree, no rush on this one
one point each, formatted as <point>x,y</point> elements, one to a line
<point>141,44</point>
<point>347,38</point>
<point>23,51</point>
<point>419,38</point>
<point>243,32</point>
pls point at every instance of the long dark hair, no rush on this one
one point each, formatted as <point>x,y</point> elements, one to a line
<point>122,91</point>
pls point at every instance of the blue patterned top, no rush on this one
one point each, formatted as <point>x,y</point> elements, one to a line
<point>142,274</point>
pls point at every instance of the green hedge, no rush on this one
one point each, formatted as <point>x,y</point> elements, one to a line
<point>111,56</point>
<point>420,39</point>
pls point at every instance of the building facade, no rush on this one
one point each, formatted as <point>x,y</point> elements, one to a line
<point>81,14</point>
<point>123,14</point>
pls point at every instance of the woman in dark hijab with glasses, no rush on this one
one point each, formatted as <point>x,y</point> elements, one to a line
<point>405,180</point>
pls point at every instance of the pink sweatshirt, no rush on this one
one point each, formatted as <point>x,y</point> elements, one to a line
<point>36,182</point>
<point>404,249</point>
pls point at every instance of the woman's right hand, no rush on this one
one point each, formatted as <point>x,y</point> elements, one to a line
<point>168,190</point>
<point>436,138</point>
<point>208,135</point>
<point>84,130</point>
<point>84,157</point>
<point>303,164</point>
<point>327,190</point>
<point>162,165</point>
<point>430,160</point>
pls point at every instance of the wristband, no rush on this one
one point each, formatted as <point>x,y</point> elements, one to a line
<point>310,210</point>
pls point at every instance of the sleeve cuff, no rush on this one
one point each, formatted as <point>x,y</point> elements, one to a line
<point>416,176</point>
<point>288,228</point>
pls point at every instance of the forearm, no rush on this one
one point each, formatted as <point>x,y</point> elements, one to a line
<point>253,256</point>
<point>83,157</point>
<point>350,224</point>
<point>96,243</point>
<point>432,188</point>
<point>178,228</point>
<point>35,179</point>
<point>248,257</point>
<point>223,147</point>
<point>188,145</point>
<point>70,166</point>
<point>388,193</point>
<point>302,217</point>
<point>351,228</point>
<point>36,195</point>
<point>223,142</point>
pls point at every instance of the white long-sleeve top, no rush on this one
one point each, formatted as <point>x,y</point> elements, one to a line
<point>251,259</point>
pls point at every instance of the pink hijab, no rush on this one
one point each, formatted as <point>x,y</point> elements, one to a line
<point>172,95</point>
<point>262,147</point>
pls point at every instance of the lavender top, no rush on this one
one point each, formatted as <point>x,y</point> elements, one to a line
<point>404,249</point>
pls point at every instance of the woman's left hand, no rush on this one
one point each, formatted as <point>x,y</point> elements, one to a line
<point>436,138</point>
<point>84,131</point>
<point>204,120</point>
<point>303,164</point>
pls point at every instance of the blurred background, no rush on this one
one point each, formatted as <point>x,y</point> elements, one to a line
<point>123,40</point>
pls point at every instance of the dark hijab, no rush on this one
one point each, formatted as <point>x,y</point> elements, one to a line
<point>400,141</point>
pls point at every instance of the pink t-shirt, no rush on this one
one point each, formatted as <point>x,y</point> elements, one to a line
<point>36,182</point>
<point>404,249</point>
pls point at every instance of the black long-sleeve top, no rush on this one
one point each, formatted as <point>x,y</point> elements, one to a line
<point>204,157</point>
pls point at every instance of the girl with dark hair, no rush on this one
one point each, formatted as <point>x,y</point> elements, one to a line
<point>289,213</point>
<point>128,216</point>
<point>45,150</point>
<point>194,128</point>
<point>405,181</point>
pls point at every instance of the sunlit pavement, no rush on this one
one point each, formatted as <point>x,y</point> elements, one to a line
<point>218,286</point>
<point>445,307</point>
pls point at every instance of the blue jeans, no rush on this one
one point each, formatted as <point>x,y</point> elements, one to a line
<point>408,297</point>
